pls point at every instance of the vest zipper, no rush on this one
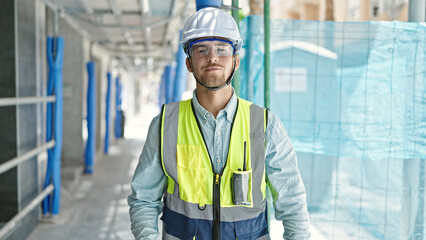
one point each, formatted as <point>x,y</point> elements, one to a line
<point>216,207</point>
<point>216,179</point>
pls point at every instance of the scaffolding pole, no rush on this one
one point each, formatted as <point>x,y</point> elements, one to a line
<point>267,50</point>
<point>236,16</point>
<point>416,13</point>
<point>417,10</point>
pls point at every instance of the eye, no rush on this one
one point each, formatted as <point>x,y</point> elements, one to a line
<point>223,50</point>
<point>200,49</point>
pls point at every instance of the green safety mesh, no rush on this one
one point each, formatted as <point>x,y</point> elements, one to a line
<point>352,97</point>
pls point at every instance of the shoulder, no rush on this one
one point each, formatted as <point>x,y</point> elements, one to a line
<point>155,122</point>
<point>274,124</point>
<point>175,106</point>
<point>249,104</point>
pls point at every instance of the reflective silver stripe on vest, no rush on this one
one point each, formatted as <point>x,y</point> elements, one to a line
<point>228,214</point>
<point>170,131</point>
<point>257,146</point>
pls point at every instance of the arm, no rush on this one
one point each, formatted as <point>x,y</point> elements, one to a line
<point>148,186</point>
<point>284,181</point>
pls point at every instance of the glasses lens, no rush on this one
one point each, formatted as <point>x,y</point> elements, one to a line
<point>202,49</point>
<point>199,50</point>
<point>224,50</point>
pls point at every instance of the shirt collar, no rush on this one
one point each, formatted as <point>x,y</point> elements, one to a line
<point>229,109</point>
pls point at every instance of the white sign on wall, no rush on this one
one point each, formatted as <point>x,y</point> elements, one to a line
<point>290,79</point>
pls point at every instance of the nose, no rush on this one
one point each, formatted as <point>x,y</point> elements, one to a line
<point>211,55</point>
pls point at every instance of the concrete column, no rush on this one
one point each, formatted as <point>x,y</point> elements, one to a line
<point>8,121</point>
<point>99,102</point>
<point>329,10</point>
<point>364,10</point>
<point>74,87</point>
<point>256,7</point>
<point>340,10</point>
<point>309,11</point>
<point>18,124</point>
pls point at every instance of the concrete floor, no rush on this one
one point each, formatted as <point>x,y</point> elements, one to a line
<point>96,208</point>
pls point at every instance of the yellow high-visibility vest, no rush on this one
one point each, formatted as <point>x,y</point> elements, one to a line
<point>194,190</point>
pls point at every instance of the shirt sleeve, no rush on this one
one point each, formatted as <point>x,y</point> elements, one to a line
<point>284,181</point>
<point>148,184</point>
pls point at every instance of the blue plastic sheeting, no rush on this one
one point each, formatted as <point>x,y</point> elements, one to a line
<point>162,90</point>
<point>90,153</point>
<point>181,74</point>
<point>118,110</point>
<point>169,74</point>
<point>54,123</point>
<point>107,114</point>
<point>352,97</point>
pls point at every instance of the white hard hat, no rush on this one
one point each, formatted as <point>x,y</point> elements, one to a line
<point>211,22</point>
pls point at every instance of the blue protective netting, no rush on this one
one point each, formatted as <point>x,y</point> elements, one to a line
<point>352,98</point>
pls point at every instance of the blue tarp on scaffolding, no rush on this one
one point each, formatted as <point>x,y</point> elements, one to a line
<point>352,97</point>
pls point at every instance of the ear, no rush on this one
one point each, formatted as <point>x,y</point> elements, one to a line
<point>188,65</point>
<point>237,62</point>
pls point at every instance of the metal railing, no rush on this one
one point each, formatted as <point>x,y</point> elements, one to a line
<point>25,100</point>
<point>15,161</point>
<point>12,223</point>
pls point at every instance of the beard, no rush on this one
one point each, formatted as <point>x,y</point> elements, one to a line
<point>214,78</point>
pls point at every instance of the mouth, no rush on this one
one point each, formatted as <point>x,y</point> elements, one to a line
<point>212,68</point>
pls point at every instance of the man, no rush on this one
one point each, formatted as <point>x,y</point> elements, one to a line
<point>212,157</point>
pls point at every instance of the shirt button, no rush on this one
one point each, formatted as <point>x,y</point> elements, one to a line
<point>218,133</point>
<point>218,160</point>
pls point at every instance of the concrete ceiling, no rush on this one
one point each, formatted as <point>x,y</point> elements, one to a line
<point>140,31</point>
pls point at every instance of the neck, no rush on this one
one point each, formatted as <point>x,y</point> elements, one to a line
<point>214,101</point>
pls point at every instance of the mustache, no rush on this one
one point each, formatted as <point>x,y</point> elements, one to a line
<point>212,65</point>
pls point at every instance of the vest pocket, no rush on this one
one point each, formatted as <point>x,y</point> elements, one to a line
<point>192,175</point>
<point>241,186</point>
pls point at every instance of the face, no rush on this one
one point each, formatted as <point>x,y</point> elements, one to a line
<point>212,61</point>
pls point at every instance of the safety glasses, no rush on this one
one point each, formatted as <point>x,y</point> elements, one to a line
<point>201,48</point>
